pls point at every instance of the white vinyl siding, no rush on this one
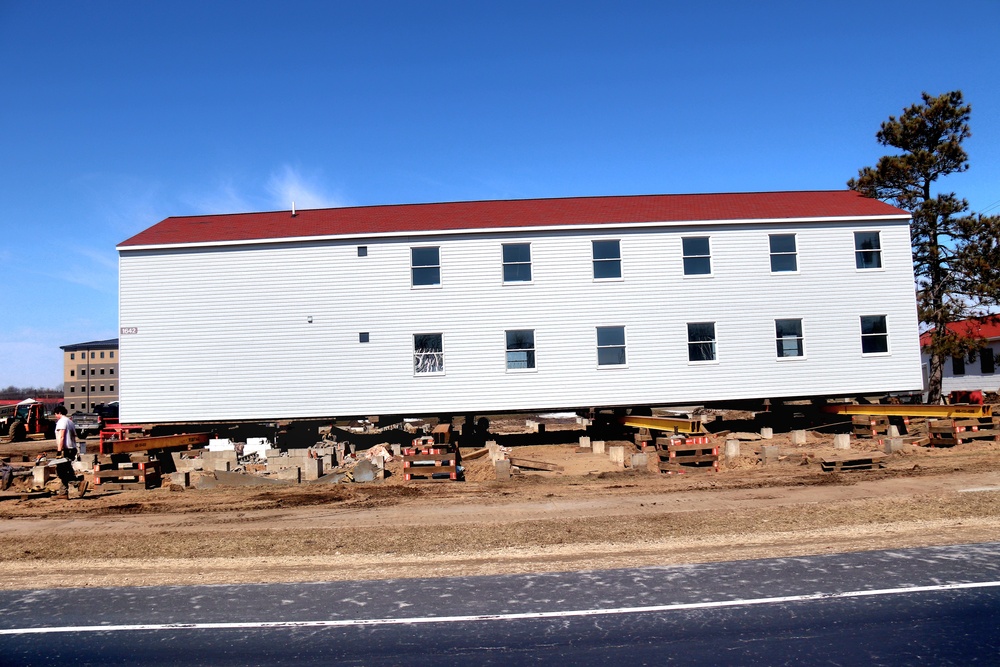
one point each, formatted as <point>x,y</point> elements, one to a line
<point>222,332</point>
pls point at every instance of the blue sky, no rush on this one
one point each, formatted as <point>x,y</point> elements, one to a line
<point>117,114</point>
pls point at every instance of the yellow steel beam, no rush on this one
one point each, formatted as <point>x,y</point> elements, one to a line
<point>670,424</point>
<point>936,411</point>
<point>158,442</point>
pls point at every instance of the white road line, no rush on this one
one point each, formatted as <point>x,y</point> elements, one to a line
<point>263,625</point>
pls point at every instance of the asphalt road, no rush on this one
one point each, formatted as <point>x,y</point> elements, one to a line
<point>936,606</point>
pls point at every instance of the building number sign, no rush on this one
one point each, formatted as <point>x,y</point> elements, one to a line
<point>129,330</point>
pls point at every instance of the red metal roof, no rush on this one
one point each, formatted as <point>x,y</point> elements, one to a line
<point>502,214</point>
<point>988,327</point>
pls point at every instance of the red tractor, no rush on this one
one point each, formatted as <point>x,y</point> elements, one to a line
<point>26,419</point>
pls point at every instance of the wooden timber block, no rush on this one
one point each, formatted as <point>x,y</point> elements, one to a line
<point>860,461</point>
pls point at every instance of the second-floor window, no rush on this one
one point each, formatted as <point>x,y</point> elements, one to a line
<point>697,256</point>
<point>867,250</point>
<point>607,260</point>
<point>516,262</point>
<point>425,266</point>
<point>783,255</point>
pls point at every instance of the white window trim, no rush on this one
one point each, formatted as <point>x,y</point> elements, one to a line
<point>774,326</point>
<point>888,339</point>
<point>621,264</point>
<point>530,263</point>
<point>881,251</point>
<point>413,352</point>
<point>711,256</point>
<point>687,341</point>
<point>597,356</point>
<point>534,340</point>
<point>440,282</point>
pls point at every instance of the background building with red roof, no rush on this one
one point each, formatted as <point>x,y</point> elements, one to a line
<point>977,370</point>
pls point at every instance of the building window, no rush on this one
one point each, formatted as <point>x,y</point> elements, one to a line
<point>363,337</point>
<point>874,334</point>
<point>867,250</point>
<point>701,341</point>
<point>72,390</point>
<point>111,388</point>
<point>958,365</point>
<point>428,353</point>
<point>112,354</point>
<point>362,251</point>
<point>789,338</point>
<point>610,346</point>
<point>92,355</point>
<point>72,356</point>
<point>987,362</point>
<point>93,389</point>
<point>425,266</point>
<point>697,256</point>
<point>72,373</point>
<point>102,371</point>
<point>72,406</point>
<point>783,254</point>
<point>93,371</point>
<point>520,349</point>
<point>111,371</point>
<point>516,262</point>
<point>102,355</point>
<point>607,260</point>
<point>102,387</point>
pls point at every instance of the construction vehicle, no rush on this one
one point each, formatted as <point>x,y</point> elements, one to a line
<point>26,420</point>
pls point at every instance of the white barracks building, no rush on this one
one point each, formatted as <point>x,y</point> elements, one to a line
<point>490,306</point>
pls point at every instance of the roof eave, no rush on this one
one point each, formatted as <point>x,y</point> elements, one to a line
<point>511,230</point>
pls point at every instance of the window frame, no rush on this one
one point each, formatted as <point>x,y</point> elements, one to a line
<point>958,366</point>
<point>713,342</point>
<point>685,257</point>
<point>779,254</point>
<point>872,336</point>
<point>440,353</point>
<point>606,261</point>
<point>611,346</point>
<point>859,252</point>
<point>504,264</point>
<point>800,339</point>
<point>531,356</point>
<point>984,354</point>
<point>414,267</point>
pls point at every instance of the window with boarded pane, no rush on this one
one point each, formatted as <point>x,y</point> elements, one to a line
<point>784,257</point>
<point>607,260</point>
<point>520,349</point>
<point>874,334</point>
<point>425,266</point>
<point>697,256</point>
<point>987,361</point>
<point>428,353</point>
<point>788,334</point>
<point>516,262</point>
<point>867,250</point>
<point>701,341</point>
<point>610,346</point>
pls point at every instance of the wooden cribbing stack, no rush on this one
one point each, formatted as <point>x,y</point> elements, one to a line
<point>427,460</point>
<point>682,453</point>
<point>141,473</point>
<point>870,426</point>
<point>951,432</point>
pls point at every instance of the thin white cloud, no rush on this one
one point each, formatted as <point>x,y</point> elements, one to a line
<point>289,185</point>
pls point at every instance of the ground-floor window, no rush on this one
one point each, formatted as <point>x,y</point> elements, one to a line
<point>428,353</point>
<point>874,334</point>
<point>520,349</point>
<point>610,346</point>
<point>701,341</point>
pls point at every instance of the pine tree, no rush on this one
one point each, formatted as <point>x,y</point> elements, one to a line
<point>956,261</point>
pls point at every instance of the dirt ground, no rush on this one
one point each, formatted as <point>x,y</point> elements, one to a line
<point>590,515</point>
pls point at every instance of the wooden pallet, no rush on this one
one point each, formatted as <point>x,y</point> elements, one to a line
<point>951,432</point>
<point>431,462</point>
<point>692,453</point>
<point>859,461</point>
<point>127,475</point>
<point>870,426</point>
